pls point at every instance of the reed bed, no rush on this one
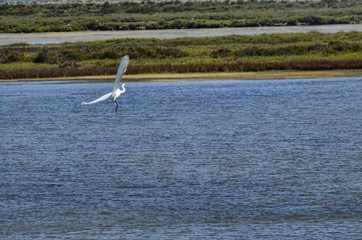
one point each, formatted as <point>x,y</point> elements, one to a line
<point>312,51</point>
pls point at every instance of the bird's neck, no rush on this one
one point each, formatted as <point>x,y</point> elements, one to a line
<point>123,88</point>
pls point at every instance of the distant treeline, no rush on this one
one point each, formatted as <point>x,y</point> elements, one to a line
<point>128,15</point>
<point>312,51</point>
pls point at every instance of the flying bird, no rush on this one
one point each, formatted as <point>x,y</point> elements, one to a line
<point>116,91</point>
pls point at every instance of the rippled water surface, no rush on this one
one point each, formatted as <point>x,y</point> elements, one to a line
<point>187,160</point>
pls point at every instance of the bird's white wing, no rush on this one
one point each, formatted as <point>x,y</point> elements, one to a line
<point>121,70</point>
<point>104,97</point>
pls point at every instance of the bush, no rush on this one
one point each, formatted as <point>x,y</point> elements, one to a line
<point>221,53</point>
<point>9,56</point>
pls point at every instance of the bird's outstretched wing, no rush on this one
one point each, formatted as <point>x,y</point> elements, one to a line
<point>121,70</point>
<point>104,97</point>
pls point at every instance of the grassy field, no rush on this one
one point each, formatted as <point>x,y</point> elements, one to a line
<point>33,17</point>
<point>312,51</point>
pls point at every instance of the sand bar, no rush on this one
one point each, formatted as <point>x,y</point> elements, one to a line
<point>173,77</point>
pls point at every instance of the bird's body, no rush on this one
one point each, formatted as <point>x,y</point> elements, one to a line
<point>116,93</point>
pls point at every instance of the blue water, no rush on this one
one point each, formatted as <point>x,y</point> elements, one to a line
<point>186,160</point>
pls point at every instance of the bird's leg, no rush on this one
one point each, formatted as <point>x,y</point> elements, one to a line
<point>116,106</point>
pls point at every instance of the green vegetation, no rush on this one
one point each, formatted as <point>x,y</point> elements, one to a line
<point>312,51</point>
<point>61,17</point>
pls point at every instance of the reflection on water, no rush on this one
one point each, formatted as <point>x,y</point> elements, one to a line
<point>221,159</point>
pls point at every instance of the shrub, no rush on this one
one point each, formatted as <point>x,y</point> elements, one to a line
<point>9,56</point>
<point>221,53</point>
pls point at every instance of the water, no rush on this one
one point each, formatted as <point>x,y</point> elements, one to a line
<point>188,160</point>
<point>86,36</point>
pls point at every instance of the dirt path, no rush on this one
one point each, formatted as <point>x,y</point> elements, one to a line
<point>55,37</point>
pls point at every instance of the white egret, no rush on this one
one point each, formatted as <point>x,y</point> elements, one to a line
<point>116,91</point>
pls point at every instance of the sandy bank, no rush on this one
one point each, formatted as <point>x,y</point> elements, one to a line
<point>169,77</point>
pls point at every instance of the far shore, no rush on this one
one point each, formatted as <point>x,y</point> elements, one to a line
<point>170,77</point>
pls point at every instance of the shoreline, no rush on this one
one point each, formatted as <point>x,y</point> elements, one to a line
<point>175,77</point>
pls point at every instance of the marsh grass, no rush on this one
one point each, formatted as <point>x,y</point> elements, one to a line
<point>312,51</point>
<point>173,15</point>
